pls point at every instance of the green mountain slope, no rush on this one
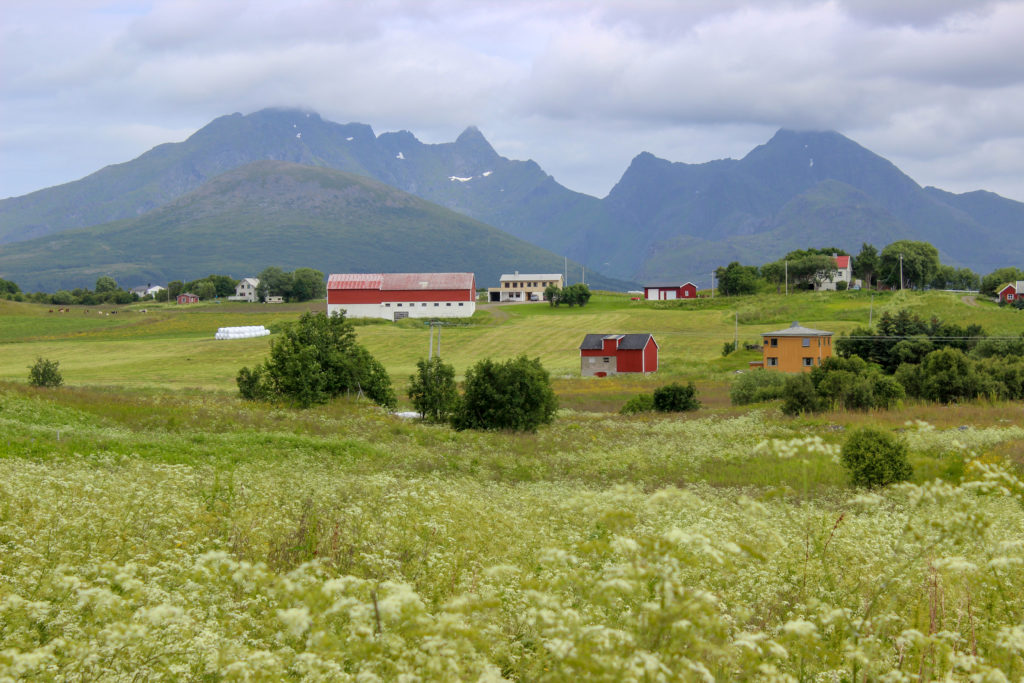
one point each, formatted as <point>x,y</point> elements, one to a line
<point>279,213</point>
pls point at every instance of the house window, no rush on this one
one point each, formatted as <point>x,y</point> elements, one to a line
<point>436,304</point>
<point>448,304</point>
<point>423,304</point>
<point>808,362</point>
<point>1009,297</point>
<point>606,359</point>
<point>807,341</point>
<point>772,361</point>
<point>399,305</point>
<point>774,342</point>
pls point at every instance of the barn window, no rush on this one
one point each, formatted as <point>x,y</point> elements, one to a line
<point>423,304</point>
<point>436,304</point>
<point>606,359</point>
<point>387,305</point>
<point>448,304</point>
<point>460,303</point>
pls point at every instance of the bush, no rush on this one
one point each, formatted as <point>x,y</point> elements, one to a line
<point>853,384</point>
<point>757,386</point>
<point>842,286</point>
<point>875,458</point>
<point>676,398</point>
<point>45,373</point>
<point>514,395</point>
<point>314,360</point>
<point>800,396</point>
<point>641,403</point>
<point>727,348</point>
<point>432,389</point>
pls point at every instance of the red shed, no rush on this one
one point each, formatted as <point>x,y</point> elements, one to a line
<point>188,298</point>
<point>610,354</point>
<point>664,292</point>
<point>402,295</point>
<point>1011,292</point>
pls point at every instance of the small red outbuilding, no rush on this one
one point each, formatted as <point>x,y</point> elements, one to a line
<point>669,292</point>
<point>609,354</point>
<point>188,298</point>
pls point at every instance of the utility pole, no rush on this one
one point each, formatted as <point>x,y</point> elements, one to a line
<point>871,310</point>
<point>736,338</point>
<point>901,271</point>
<point>440,329</point>
<point>712,284</point>
<point>565,270</point>
<point>583,274</point>
<point>787,277</point>
<point>431,355</point>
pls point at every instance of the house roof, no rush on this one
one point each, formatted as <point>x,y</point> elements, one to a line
<point>400,281</point>
<point>627,342</point>
<point>532,276</point>
<point>188,294</point>
<point>797,330</point>
<point>254,281</point>
<point>1017,286</point>
<point>674,285</point>
<point>842,261</point>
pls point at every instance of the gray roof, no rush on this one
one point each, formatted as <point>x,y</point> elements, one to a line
<point>796,330</point>
<point>628,342</point>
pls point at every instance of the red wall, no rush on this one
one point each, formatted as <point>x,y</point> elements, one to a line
<point>651,356</point>
<point>1008,290</point>
<point>376,296</point>
<point>630,361</point>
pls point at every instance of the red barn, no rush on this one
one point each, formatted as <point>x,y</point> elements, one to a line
<point>1011,292</point>
<point>188,298</point>
<point>609,354</point>
<point>667,292</point>
<point>394,296</point>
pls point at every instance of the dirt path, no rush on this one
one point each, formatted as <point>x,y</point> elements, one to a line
<point>498,315</point>
<point>969,300</point>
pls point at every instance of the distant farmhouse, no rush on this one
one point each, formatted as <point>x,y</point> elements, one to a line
<point>687,290</point>
<point>794,349</point>
<point>146,290</point>
<point>394,296</point>
<point>245,290</point>
<point>1011,292</point>
<point>188,298</point>
<point>528,287</point>
<point>602,355</point>
<point>844,274</point>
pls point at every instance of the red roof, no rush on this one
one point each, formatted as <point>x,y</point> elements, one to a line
<point>400,281</point>
<point>842,261</point>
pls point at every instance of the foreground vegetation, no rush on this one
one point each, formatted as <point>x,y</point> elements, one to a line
<point>154,532</point>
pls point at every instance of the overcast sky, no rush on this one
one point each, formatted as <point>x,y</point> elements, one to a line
<point>935,86</point>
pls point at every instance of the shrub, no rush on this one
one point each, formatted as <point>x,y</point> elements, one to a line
<point>514,395</point>
<point>800,396</point>
<point>314,360</point>
<point>676,398</point>
<point>432,389</point>
<point>875,458</point>
<point>842,286</point>
<point>757,386</point>
<point>641,403</point>
<point>727,348</point>
<point>45,373</point>
<point>854,384</point>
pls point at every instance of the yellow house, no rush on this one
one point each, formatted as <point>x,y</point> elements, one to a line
<point>795,349</point>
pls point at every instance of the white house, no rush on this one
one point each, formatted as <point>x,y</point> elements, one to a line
<point>394,296</point>
<point>245,290</point>
<point>523,287</point>
<point>844,266</point>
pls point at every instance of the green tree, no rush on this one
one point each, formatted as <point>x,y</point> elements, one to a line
<point>553,294</point>
<point>991,283</point>
<point>945,375</point>
<point>865,265</point>
<point>775,273</point>
<point>920,263</point>
<point>307,284</point>
<point>274,282</point>
<point>736,279</point>
<point>757,386</point>
<point>874,458</point>
<point>314,360</point>
<point>204,289</point>
<point>174,288</point>
<point>432,389</point>
<point>676,398</point>
<point>641,403</point>
<point>8,288</point>
<point>105,283</point>
<point>514,395</point>
<point>576,295</point>
<point>45,373</point>
<point>800,395</point>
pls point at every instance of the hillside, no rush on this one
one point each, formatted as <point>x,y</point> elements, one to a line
<point>279,213</point>
<point>662,220</point>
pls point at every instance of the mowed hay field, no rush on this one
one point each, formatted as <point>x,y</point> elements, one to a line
<point>153,526</point>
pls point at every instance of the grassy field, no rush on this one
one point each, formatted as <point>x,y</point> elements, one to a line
<point>153,526</point>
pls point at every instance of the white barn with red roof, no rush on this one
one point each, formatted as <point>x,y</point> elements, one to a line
<point>394,296</point>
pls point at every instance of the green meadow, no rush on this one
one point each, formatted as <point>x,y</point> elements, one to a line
<point>154,526</point>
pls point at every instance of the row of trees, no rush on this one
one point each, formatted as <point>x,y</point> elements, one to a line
<point>916,262</point>
<point>573,295</point>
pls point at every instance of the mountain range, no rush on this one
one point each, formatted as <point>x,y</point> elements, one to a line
<point>661,221</point>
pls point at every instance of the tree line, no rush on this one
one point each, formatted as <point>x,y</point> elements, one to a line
<point>904,264</point>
